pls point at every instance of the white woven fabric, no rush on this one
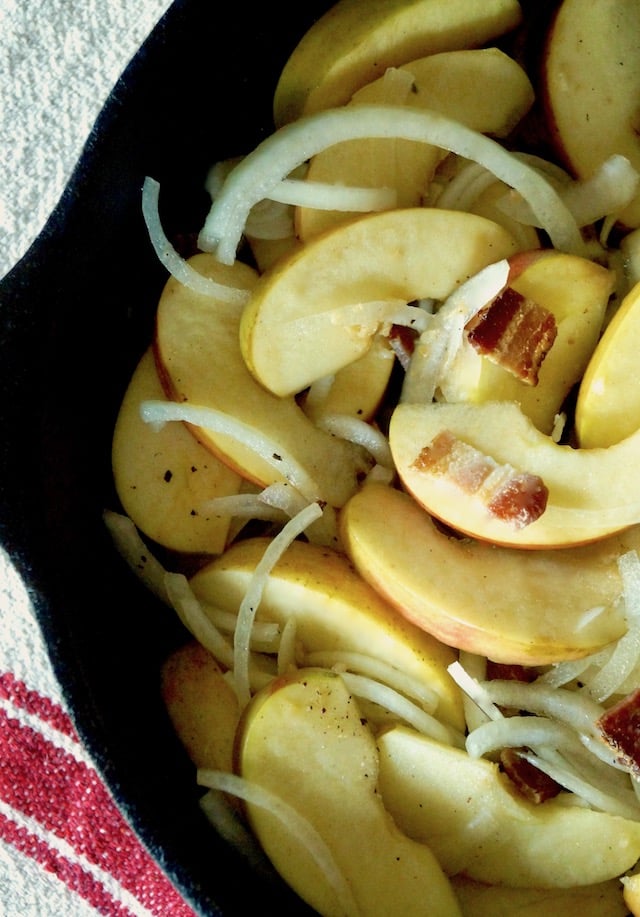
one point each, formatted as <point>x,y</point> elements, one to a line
<point>59,60</point>
<point>64,847</point>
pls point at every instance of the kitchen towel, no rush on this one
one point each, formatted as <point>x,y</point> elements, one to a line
<point>65,849</point>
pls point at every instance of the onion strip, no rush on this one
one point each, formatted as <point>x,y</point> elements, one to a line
<point>253,595</point>
<point>297,826</point>
<point>160,412</point>
<point>255,177</point>
<point>183,272</point>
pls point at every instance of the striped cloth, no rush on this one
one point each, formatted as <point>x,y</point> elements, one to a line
<point>65,849</point>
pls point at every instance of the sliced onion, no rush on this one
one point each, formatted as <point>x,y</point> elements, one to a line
<point>397,704</point>
<point>626,654</point>
<point>253,595</point>
<point>131,547</point>
<point>557,703</point>
<point>608,191</point>
<point>274,159</point>
<point>378,670</point>
<point>192,615</point>
<point>359,432</point>
<point>570,780</point>
<point>475,691</point>
<point>158,413</point>
<point>325,196</point>
<point>183,272</point>
<point>436,348</point>
<point>296,825</point>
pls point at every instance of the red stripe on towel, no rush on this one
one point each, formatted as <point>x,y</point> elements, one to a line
<point>33,702</point>
<point>69,800</point>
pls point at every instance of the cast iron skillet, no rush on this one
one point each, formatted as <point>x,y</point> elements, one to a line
<point>75,315</point>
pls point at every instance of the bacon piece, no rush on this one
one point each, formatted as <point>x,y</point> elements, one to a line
<point>515,497</point>
<point>530,781</point>
<point>510,671</point>
<point>402,341</point>
<point>515,332</point>
<point>620,728</point>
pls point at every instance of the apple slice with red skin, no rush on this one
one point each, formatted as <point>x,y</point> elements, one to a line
<point>590,492</point>
<point>513,606</point>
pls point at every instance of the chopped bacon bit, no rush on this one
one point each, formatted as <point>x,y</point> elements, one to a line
<point>402,341</point>
<point>516,497</point>
<point>447,454</point>
<point>515,332</point>
<point>507,671</point>
<point>522,500</point>
<point>530,781</point>
<point>620,728</point>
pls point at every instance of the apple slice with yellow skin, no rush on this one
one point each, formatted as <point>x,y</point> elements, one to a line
<point>480,900</point>
<point>202,706</point>
<point>197,348</point>
<point>467,812</point>
<point>513,606</point>
<point>576,291</point>
<point>334,609</point>
<point>165,478</point>
<point>354,43</point>
<point>484,89</point>
<point>305,739</point>
<point>608,405</point>
<point>320,309</point>
<point>591,492</point>
<point>591,81</point>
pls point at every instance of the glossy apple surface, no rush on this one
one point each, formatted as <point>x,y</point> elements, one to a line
<point>198,348</point>
<point>530,607</point>
<point>165,478</point>
<point>608,405</point>
<point>465,809</point>
<point>319,310</point>
<point>591,79</point>
<point>354,43</point>
<point>576,291</point>
<point>334,609</point>
<point>483,88</point>
<point>592,492</point>
<point>304,738</point>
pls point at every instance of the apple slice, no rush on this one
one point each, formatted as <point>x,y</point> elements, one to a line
<point>591,79</point>
<point>526,607</point>
<point>608,405</point>
<point>165,478</point>
<point>477,899</point>
<point>483,89</point>
<point>466,811</point>
<point>357,389</point>
<point>591,492</point>
<point>320,309</point>
<point>202,706</point>
<point>305,740</point>
<point>576,291</point>
<point>354,43</point>
<point>334,609</point>
<point>197,348</point>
